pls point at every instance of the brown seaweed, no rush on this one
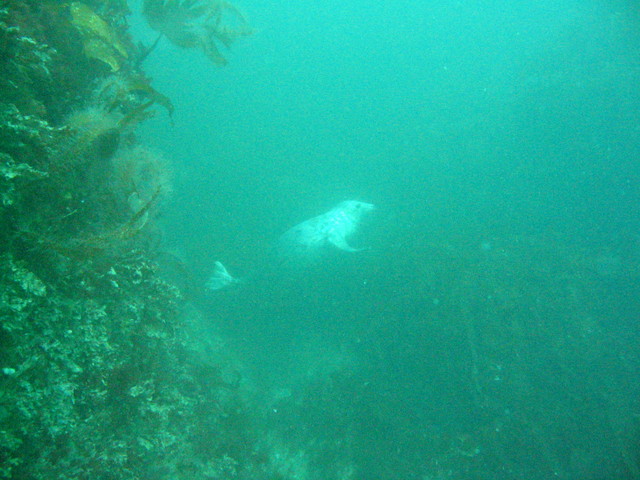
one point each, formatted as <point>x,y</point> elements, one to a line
<point>201,24</point>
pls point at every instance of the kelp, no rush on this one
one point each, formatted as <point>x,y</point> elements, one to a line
<point>131,96</point>
<point>201,24</point>
<point>139,85</point>
<point>58,182</point>
<point>103,244</point>
<point>99,40</point>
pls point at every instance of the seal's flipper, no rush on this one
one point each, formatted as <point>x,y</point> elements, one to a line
<point>341,243</point>
<point>220,278</point>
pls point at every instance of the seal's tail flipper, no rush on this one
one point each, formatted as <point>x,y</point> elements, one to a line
<point>220,278</point>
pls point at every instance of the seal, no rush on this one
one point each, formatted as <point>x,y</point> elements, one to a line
<point>309,238</point>
<point>307,242</point>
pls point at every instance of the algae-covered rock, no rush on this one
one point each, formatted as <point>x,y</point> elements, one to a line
<point>101,372</point>
<point>14,176</point>
<point>109,373</point>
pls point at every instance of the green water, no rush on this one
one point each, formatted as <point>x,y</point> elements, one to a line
<point>491,330</point>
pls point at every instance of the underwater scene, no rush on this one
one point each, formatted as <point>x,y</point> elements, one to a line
<point>319,240</point>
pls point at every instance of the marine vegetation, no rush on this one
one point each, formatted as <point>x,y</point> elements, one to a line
<point>201,24</point>
<point>102,373</point>
<point>98,38</point>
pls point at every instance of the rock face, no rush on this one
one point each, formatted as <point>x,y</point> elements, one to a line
<point>101,374</point>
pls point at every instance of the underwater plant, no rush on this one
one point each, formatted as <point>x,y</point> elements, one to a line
<point>99,40</point>
<point>198,24</point>
<point>131,94</point>
<point>140,170</point>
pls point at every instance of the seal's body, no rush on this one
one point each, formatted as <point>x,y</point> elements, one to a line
<point>306,243</point>
<point>311,237</point>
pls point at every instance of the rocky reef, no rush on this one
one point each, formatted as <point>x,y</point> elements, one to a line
<point>101,374</point>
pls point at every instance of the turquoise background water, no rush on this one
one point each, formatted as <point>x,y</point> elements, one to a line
<point>499,142</point>
<point>523,116</point>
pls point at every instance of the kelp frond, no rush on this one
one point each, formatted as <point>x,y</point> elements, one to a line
<point>99,40</point>
<point>110,242</point>
<point>199,24</point>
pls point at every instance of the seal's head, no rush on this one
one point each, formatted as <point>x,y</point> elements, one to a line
<point>355,209</point>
